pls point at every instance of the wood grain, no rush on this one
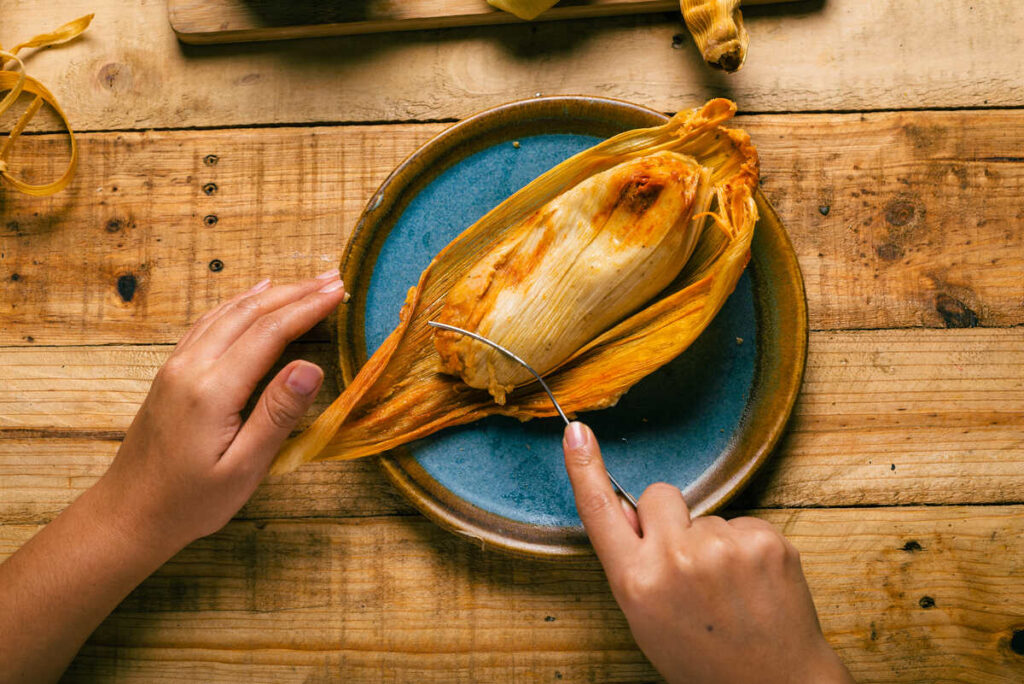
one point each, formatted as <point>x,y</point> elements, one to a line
<point>923,213</point>
<point>884,418</point>
<point>904,219</point>
<point>99,389</point>
<point>399,599</point>
<point>235,21</point>
<point>129,71</point>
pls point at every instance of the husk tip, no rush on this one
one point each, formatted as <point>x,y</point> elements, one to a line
<point>289,458</point>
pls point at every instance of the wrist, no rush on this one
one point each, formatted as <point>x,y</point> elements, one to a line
<point>131,521</point>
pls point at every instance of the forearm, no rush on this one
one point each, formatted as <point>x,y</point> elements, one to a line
<point>56,589</point>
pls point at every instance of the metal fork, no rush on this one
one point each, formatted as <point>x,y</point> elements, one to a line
<point>480,338</point>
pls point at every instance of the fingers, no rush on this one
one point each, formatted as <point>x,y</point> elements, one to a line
<point>631,516</point>
<point>752,524</point>
<point>255,351</point>
<point>763,536</point>
<point>712,526</point>
<point>279,409</point>
<point>238,316</point>
<point>606,523</point>
<point>207,319</point>
<point>663,512</point>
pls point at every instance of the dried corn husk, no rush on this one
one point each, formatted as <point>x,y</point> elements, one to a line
<point>17,82</point>
<point>524,9</point>
<point>399,395</point>
<point>596,253</point>
<point>717,28</point>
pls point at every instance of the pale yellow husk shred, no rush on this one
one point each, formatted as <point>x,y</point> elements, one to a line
<point>400,394</point>
<point>524,9</point>
<point>15,82</point>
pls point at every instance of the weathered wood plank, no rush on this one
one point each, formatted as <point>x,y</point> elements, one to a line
<point>188,665</point>
<point>130,72</point>
<point>41,476</point>
<point>63,390</point>
<point>923,217</point>
<point>884,418</point>
<point>130,254</point>
<point>202,22</point>
<point>399,599</point>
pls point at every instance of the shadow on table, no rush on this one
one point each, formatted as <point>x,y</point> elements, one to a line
<point>291,13</point>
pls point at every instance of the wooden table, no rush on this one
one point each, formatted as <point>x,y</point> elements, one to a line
<point>892,139</point>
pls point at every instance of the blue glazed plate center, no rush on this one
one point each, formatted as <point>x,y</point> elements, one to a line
<point>670,427</point>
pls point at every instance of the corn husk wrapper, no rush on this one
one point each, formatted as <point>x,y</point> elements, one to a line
<point>717,29</point>
<point>601,251</point>
<point>399,395</point>
<point>524,9</point>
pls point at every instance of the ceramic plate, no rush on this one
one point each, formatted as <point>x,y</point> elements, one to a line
<point>705,422</point>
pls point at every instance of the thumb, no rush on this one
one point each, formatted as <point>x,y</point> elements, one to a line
<point>279,409</point>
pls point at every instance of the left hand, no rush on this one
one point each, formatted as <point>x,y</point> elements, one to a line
<point>188,462</point>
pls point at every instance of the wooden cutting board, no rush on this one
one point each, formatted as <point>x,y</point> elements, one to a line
<point>238,21</point>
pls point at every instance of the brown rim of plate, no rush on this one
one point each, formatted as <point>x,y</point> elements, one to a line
<point>781,312</point>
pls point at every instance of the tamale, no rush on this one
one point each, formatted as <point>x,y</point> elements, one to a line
<point>599,251</point>
<point>717,29</point>
<point>692,242</point>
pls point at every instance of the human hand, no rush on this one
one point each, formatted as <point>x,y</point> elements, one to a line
<point>188,462</point>
<point>707,600</point>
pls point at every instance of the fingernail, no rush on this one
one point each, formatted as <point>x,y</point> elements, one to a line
<point>328,275</point>
<point>260,286</point>
<point>576,435</point>
<point>346,297</point>
<point>627,507</point>
<point>332,286</point>
<point>304,379</point>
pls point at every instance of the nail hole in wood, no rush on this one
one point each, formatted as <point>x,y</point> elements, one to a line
<point>126,286</point>
<point>1017,641</point>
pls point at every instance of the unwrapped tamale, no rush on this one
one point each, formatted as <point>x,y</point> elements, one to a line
<point>598,273</point>
<point>597,252</point>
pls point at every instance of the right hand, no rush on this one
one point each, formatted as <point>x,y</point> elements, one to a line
<point>707,600</point>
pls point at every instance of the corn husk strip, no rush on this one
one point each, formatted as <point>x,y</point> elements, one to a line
<point>524,9</point>
<point>399,396</point>
<point>717,29</point>
<point>17,82</point>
